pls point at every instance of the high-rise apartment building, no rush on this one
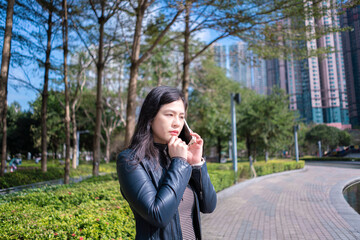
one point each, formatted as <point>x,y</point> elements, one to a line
<point>220,55</point>
<point>276,75</point>
<point>259,76</point>
<point>244,67</point>
<point>240,66</point>
<point>316,86</point>
<point>351,51</point>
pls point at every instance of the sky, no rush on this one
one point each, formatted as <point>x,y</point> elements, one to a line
<point>22,96</point>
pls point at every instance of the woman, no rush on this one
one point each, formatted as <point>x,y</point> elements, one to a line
<point>164,180</point>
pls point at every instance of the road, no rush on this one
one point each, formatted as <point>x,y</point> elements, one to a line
<point>301,204</point>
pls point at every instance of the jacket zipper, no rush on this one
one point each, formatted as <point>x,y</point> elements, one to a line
<point>201,187</point>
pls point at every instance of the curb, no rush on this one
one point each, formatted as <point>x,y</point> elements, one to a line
<point>342,206</point>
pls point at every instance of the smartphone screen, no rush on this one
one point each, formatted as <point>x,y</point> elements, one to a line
<point>185,133</point>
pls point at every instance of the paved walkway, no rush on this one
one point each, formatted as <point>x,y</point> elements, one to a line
<point>301,204</point>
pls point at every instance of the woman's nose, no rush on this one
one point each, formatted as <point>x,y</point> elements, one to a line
<point>176,122</point>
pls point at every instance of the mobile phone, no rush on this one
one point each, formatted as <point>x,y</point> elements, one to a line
<point>185,134</point>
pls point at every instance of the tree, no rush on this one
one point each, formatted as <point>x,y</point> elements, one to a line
<point>136,60</point>
<point>67,94</point>
<point>20,137</point>
<point>330,137</point>
<point>41,16</point>
<point>345,138</point>
<point>55,120</point>
<point>209,104</point>
<point>247,122</point>
<point>277,121</point>
<point>265,120</point>
<point>48,6</point>
<point>114,102</point>
<point>113,119</point>
<point>5,62</point>
<point>77,71</point>
<point>103,12</point>
<point>113,114</point>
<point>163,67</point>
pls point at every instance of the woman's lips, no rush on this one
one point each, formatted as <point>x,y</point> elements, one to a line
<point>174,133</point>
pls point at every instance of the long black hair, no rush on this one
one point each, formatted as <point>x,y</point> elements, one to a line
<point>142,142</point>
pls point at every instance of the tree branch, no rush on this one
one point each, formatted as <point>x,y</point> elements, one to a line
<point>93,8</point>
<point>162,34</point>
<point>83,40</point>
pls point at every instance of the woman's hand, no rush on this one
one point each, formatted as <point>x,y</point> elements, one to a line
<point>177,148</point>
<point>195,150</point>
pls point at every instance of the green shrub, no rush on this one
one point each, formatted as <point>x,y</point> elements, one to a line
<point>93,209</point>
<point>222,174</point>
<point>310,158</point>
<point>30,174</point>
<point>275,166</point>
<point>221,179</point>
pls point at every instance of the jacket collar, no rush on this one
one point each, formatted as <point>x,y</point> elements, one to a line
<point>161,147</point>
<point>164,157</point>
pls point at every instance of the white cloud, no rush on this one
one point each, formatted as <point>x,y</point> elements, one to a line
<point>204,35</point>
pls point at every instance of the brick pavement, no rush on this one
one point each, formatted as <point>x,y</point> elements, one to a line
<point>301,204</point>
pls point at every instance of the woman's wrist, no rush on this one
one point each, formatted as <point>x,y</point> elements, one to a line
<point>202,161</point>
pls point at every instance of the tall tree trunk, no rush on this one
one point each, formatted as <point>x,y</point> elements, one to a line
<point>108,144</point>
<point>77,95</point>
<point>5,63</point>
<point>248,146</point>
<point>255,153</point>
<point>219,147</point>
<point>186,63</point>
<point>74,128</point>
<point>67,96</point>
<point>100,68</point>
<point>45,94</point>
<point>131,100</point>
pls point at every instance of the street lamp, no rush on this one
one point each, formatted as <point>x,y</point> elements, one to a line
<point>78,145</point>
<point>296,128</point>
<point>234,97</point>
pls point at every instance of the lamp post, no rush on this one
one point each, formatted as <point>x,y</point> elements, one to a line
<point>78,145</point>
<point>320,152</point>
<point>234,97</point>
<point>296,128</point>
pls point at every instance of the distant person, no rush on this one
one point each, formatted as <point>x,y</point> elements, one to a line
<point>14,162</point>
<point>37,159</point>
<point>165,180</point>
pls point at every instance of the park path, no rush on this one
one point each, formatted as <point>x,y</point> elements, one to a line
<point>301,204</point>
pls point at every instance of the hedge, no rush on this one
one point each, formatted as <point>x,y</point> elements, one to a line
<point>94,208</point>
<point>33,174</point>
<point>330,159</point>
<point>222,175</point>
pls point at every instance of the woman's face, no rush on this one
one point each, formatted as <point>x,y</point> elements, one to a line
<point>168,122</point>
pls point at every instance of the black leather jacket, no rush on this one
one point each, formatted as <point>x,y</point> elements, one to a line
<point>154,193</point>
